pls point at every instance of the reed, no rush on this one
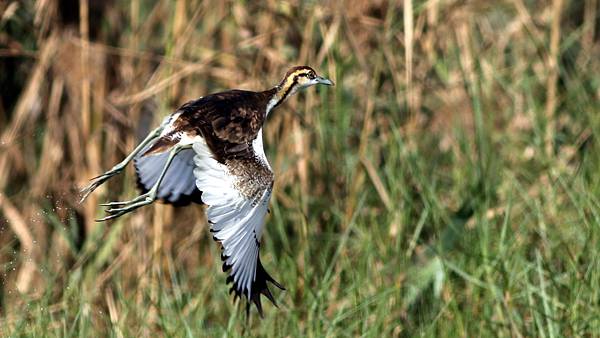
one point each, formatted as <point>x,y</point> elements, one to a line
<point>446,186</point>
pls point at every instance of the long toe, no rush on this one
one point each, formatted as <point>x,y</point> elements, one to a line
<point>122,210</point>
<point>106,175</point>
<point>114,204</point>
<point>117,212</point>
<point>126,207</point>
<point>145,198</point>
<point>109,217</point>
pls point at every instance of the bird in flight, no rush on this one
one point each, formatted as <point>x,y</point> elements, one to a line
<point>210,151</point>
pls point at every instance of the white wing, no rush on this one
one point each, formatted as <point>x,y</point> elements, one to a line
<point>178,186</point>
<point>237,193</point>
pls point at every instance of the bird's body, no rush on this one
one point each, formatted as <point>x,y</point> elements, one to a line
<point>228,123</point>
<point>210,151</point>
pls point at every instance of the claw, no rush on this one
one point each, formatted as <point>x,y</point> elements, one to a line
<point>109,217</point>
<point>96,182</point>
<point>85,192</point>
<point>144,197</point>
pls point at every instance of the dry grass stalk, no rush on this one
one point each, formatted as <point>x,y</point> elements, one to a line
<point>28,99</point>
<point>389,57</point>
<point>408,51</point>
<point>552,64</point>
<point>113,312</point>
<point>52,151</point>
<point>378,183</point>
<point>18,224</point>
<point>160,86</point>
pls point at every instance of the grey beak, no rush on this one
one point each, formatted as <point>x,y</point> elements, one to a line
<point>324,81</point>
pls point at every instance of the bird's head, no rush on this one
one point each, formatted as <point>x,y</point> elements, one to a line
<point>297,78</point>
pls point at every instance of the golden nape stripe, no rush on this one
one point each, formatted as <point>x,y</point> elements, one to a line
<point>289,82</point>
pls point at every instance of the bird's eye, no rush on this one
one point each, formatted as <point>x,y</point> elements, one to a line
<point>312,76</point>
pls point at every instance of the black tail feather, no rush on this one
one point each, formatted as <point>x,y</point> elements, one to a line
<point>259,287</point>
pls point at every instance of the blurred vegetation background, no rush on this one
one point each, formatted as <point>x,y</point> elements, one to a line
<point>446,186</point>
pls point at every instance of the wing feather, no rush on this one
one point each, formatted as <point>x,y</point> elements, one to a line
<point>178,186</point>
<point>237,193</point>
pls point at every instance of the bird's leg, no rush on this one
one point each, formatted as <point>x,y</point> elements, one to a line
<point>99,180</point>
<point>144,199</point>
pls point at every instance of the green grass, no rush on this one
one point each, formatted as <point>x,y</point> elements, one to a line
<point>448,219</point>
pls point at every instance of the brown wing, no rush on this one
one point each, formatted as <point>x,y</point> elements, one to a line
<point>227,121</point>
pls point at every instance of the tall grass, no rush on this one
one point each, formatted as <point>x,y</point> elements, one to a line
<point>447,186</point>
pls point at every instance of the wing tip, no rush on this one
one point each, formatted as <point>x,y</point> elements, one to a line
<point>259,287</point>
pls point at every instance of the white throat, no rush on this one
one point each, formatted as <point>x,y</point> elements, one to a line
<point>272,103</point>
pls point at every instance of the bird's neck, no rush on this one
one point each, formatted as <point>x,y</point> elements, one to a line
<point>281,92</point>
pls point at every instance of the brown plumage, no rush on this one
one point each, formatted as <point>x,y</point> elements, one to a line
<point>228,121</point>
